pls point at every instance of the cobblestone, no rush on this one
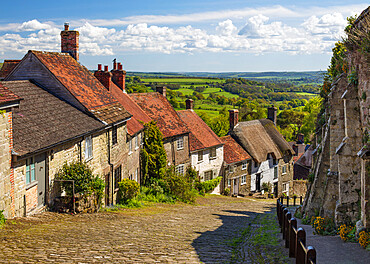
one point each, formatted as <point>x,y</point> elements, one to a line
<point>163,233</point>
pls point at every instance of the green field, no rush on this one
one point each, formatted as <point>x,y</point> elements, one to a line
<point>181,80</point>
<point>306,94</point>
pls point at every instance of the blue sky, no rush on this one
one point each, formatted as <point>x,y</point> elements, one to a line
<point>190,35</point>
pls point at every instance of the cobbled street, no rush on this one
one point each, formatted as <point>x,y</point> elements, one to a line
<point>165,233</point>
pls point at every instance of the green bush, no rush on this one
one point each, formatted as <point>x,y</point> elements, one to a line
<point>128,190</point>
<point>311,177</point>
<point>207,186</point>
<point>156,195</point>
<point>179,186</point>
<point>2,218</point>
<point>226,191</point>
<point>85,182</point>
<point>267,186</point>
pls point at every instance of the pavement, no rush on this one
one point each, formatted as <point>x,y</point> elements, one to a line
<point>332,249</point>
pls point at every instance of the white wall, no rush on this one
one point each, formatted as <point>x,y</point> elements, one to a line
<point>266,168</point>
<point>208,164</point>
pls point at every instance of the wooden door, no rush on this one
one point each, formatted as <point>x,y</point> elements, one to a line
<point>40,172</point>
<point>258,182</point>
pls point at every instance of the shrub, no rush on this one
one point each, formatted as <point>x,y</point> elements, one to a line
<point>2,218</point>
<point>311,177</point>
<point>226,191</point>
<point>207,186</point>
<point>267,186</point>
<point>324,226</point>
<point>179,186</point>
<point>364,239</point>
<point>85,182</point>
<point>128,190</point>
<point>306,220</point>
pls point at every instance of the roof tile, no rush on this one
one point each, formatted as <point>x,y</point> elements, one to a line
<point>7,96</point>
<point>233,152</point>
<point>8,66</point>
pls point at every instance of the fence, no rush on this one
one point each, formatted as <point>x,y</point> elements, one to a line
<point>295,239</point>
<point>294,200</point>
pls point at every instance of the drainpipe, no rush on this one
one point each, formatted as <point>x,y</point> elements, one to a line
<point>111,167</point>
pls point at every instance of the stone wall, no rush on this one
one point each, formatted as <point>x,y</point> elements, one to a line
<point>299,188</point>
<point>235,175</point>
<point>175,156</point>
<point>133,160</point>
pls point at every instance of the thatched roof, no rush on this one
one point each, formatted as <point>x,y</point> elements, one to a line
<point>260,138</point>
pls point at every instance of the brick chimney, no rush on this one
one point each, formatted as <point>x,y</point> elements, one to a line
<point>300,139</point>
<point>69,43</point>
<point>105,77</point>
<point>189,104</point>
<point>272,114</point>
<point>118,75</point>
<point>295,148</point>
<point>162,90</point>
<point>233,118</point>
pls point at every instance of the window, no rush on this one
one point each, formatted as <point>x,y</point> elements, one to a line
<point>180,169</point>
<point>137,175</point>
<point>180,143</point>
<point>117,176</point>
<point>114,135</point>
<point>212,154</point>
<point>275,172</point>
<point>244,165</point>
<point>130,146</point>
<point>200,155</point>
<point>88,148</point>
<point>244,179</point>
<point>283,169</point>
<point>137,142</point>
<point>228,182</point>
<point>30,171</point>
<point>231,169</point>
<point>208,175</point>
<point>141,139</point>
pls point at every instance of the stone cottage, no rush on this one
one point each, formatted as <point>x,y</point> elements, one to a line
<point>206,148</point>
<point>236,168</point>
<point>271,154</point>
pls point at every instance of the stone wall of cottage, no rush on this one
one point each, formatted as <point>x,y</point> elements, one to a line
<point>285,178</point>
<point>207,164</point>
<point>177,156</point>
<point>235,174</point>
<point>133,160</point>
<point>299,188</point>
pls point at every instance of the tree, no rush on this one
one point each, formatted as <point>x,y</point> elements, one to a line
<point>153,154</point>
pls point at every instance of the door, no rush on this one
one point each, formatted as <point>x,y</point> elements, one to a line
<point>40,172</point>
<point>107,189</point>
<point>236,187</point>
<point>276,189</point>
<point>258,182</point>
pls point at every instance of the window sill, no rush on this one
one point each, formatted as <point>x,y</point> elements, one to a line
<point>88,159</point>
<point>30,185</point>
<point>244,168</point>
<point>199,161</point>
<point>130,153</point>
<point>212,158</point>
<point>136,148</point>
<point>180,148</point>
<point>283,173</point>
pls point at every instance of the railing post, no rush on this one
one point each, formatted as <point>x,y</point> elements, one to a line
<point>311,255</point>
<point>292,237</point>
<point>300,200</point>
<point>281,215</point>
<point>294,198</point>
<point>287,220</point>
<point>301,244</point>
<point>285,211</point>
<point>277,208</point>
<point>287,201</point>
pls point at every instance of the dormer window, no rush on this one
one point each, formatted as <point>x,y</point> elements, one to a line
<point>180,143</point>
<point>244,165</point>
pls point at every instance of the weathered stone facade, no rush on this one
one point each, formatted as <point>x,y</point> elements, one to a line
<point>177,156</point>
<point>237,177</point>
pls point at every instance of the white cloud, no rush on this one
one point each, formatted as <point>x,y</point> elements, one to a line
<point>329,25</point>
<point>33,25</point>
<point>226,28</point>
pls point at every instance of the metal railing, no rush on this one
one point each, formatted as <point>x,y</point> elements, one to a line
<point>295,239</point>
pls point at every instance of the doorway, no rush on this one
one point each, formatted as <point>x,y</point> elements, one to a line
<point>236,187</point>
<point>258,182</point>
<point>40,171</point>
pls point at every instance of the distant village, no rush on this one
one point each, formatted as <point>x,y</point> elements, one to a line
<point>55,111</point>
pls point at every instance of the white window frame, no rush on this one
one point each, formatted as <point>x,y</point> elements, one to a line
<point>243,179</point>
<point>130,146</point>
<point>244,165</point>
<point>228,182</point>
<point>30,171</point>
<point>200,156</point>
<point>212,151</point>
<point>180,143</point>
<point>88,148</point>
<point>211,176</point>
<point>180,169</point>
<point>283,169</point>
<point>137,142</point>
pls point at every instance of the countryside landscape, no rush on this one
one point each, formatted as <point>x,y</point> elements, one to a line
<point>197,132</point>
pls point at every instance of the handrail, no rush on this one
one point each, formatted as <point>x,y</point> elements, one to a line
<point>295,239</point>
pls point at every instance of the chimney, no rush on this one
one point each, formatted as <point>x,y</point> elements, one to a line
<point>189,104</point>
<point>162,90</point>
<point>295,148</point>
<point>233,118</point>
<point>69,41</point>
<point>105,77</point>
<point>272,114</point>
<point>118,75</point>
<point>300,138</point>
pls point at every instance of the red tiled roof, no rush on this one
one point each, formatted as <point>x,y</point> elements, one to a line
<point>83,85</point>
<point>8,66</point>
<point>295,158</point>
<point>133,125</point>
<point>157,107</point>
<point>7,96</point>
<point>233,152</point>
<point>76,78</point>
<point>201,136</point>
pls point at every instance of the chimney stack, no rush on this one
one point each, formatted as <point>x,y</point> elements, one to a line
<point>105,77</point>
<point>272,114</point>
<point>162,90</point>
<point>300,138</point>
<point>118,75</point>
<point>233,118</point>
<point>70,41</point>
<point>189,104</point>
<point>295,148</point>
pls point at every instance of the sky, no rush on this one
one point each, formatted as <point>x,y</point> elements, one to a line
<point>183,36</point>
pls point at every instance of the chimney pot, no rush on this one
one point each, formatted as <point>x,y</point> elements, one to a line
<point>105,67</point>
<point>233,118</point>
<point>99,67</point>
<point>189,104</point>
<point>114,64</point>
<point>119,66</point>
<point>66,26</point>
